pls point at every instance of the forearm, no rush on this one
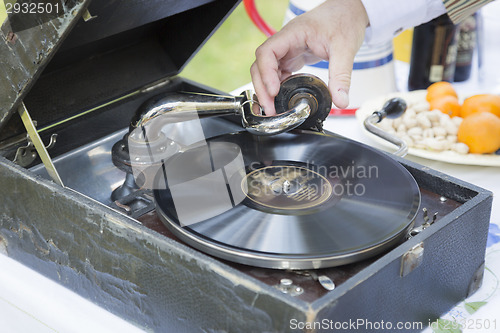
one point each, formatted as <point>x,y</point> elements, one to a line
<point>390,17</point>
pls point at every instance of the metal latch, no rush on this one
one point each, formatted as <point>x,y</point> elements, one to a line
<point>27,154</point>
<point>412,259</point>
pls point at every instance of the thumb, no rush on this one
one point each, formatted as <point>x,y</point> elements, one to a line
<point>340,71</point>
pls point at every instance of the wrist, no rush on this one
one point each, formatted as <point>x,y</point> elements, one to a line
<point>352,8</point>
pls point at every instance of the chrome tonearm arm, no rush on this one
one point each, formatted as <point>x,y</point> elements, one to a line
<point>303,100</point>
<point>178,107</point>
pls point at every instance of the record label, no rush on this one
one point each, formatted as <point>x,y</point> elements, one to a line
<point>286,188</point>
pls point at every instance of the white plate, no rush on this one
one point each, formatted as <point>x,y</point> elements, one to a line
<point>447,156</point>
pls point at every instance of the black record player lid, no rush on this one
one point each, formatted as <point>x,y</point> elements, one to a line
<point>67,65</point>
<point>29,41</point>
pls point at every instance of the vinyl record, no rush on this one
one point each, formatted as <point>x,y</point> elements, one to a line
<point>297,200</point>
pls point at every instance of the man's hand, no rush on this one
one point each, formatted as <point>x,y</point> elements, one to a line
<point>333,31</point>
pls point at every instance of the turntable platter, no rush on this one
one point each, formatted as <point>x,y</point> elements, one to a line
<point>301,201</point>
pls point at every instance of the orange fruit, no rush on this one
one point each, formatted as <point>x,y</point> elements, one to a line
<point>446,104</point>
<point>481,132</point>
<point>440,89</point>
<point>481,103</point>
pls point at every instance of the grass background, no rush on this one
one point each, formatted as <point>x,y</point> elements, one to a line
<point>225,59</point>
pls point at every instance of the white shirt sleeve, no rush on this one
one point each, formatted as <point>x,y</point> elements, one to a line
<point>390,17</point>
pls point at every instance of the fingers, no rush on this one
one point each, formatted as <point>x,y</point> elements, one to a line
<point>343,46</point>
<point>265,91</point>
<point>275,60</point>
<point>266,75</point>
<point>340,71</point>
<point>333,31</point>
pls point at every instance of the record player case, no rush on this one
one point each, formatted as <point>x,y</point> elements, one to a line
<point>135,268</point>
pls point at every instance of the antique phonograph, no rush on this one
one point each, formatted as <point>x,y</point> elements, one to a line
<point>171,217</point>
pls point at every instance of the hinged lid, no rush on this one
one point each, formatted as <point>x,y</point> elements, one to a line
<point>122,46</point>
<point>28,42</point>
